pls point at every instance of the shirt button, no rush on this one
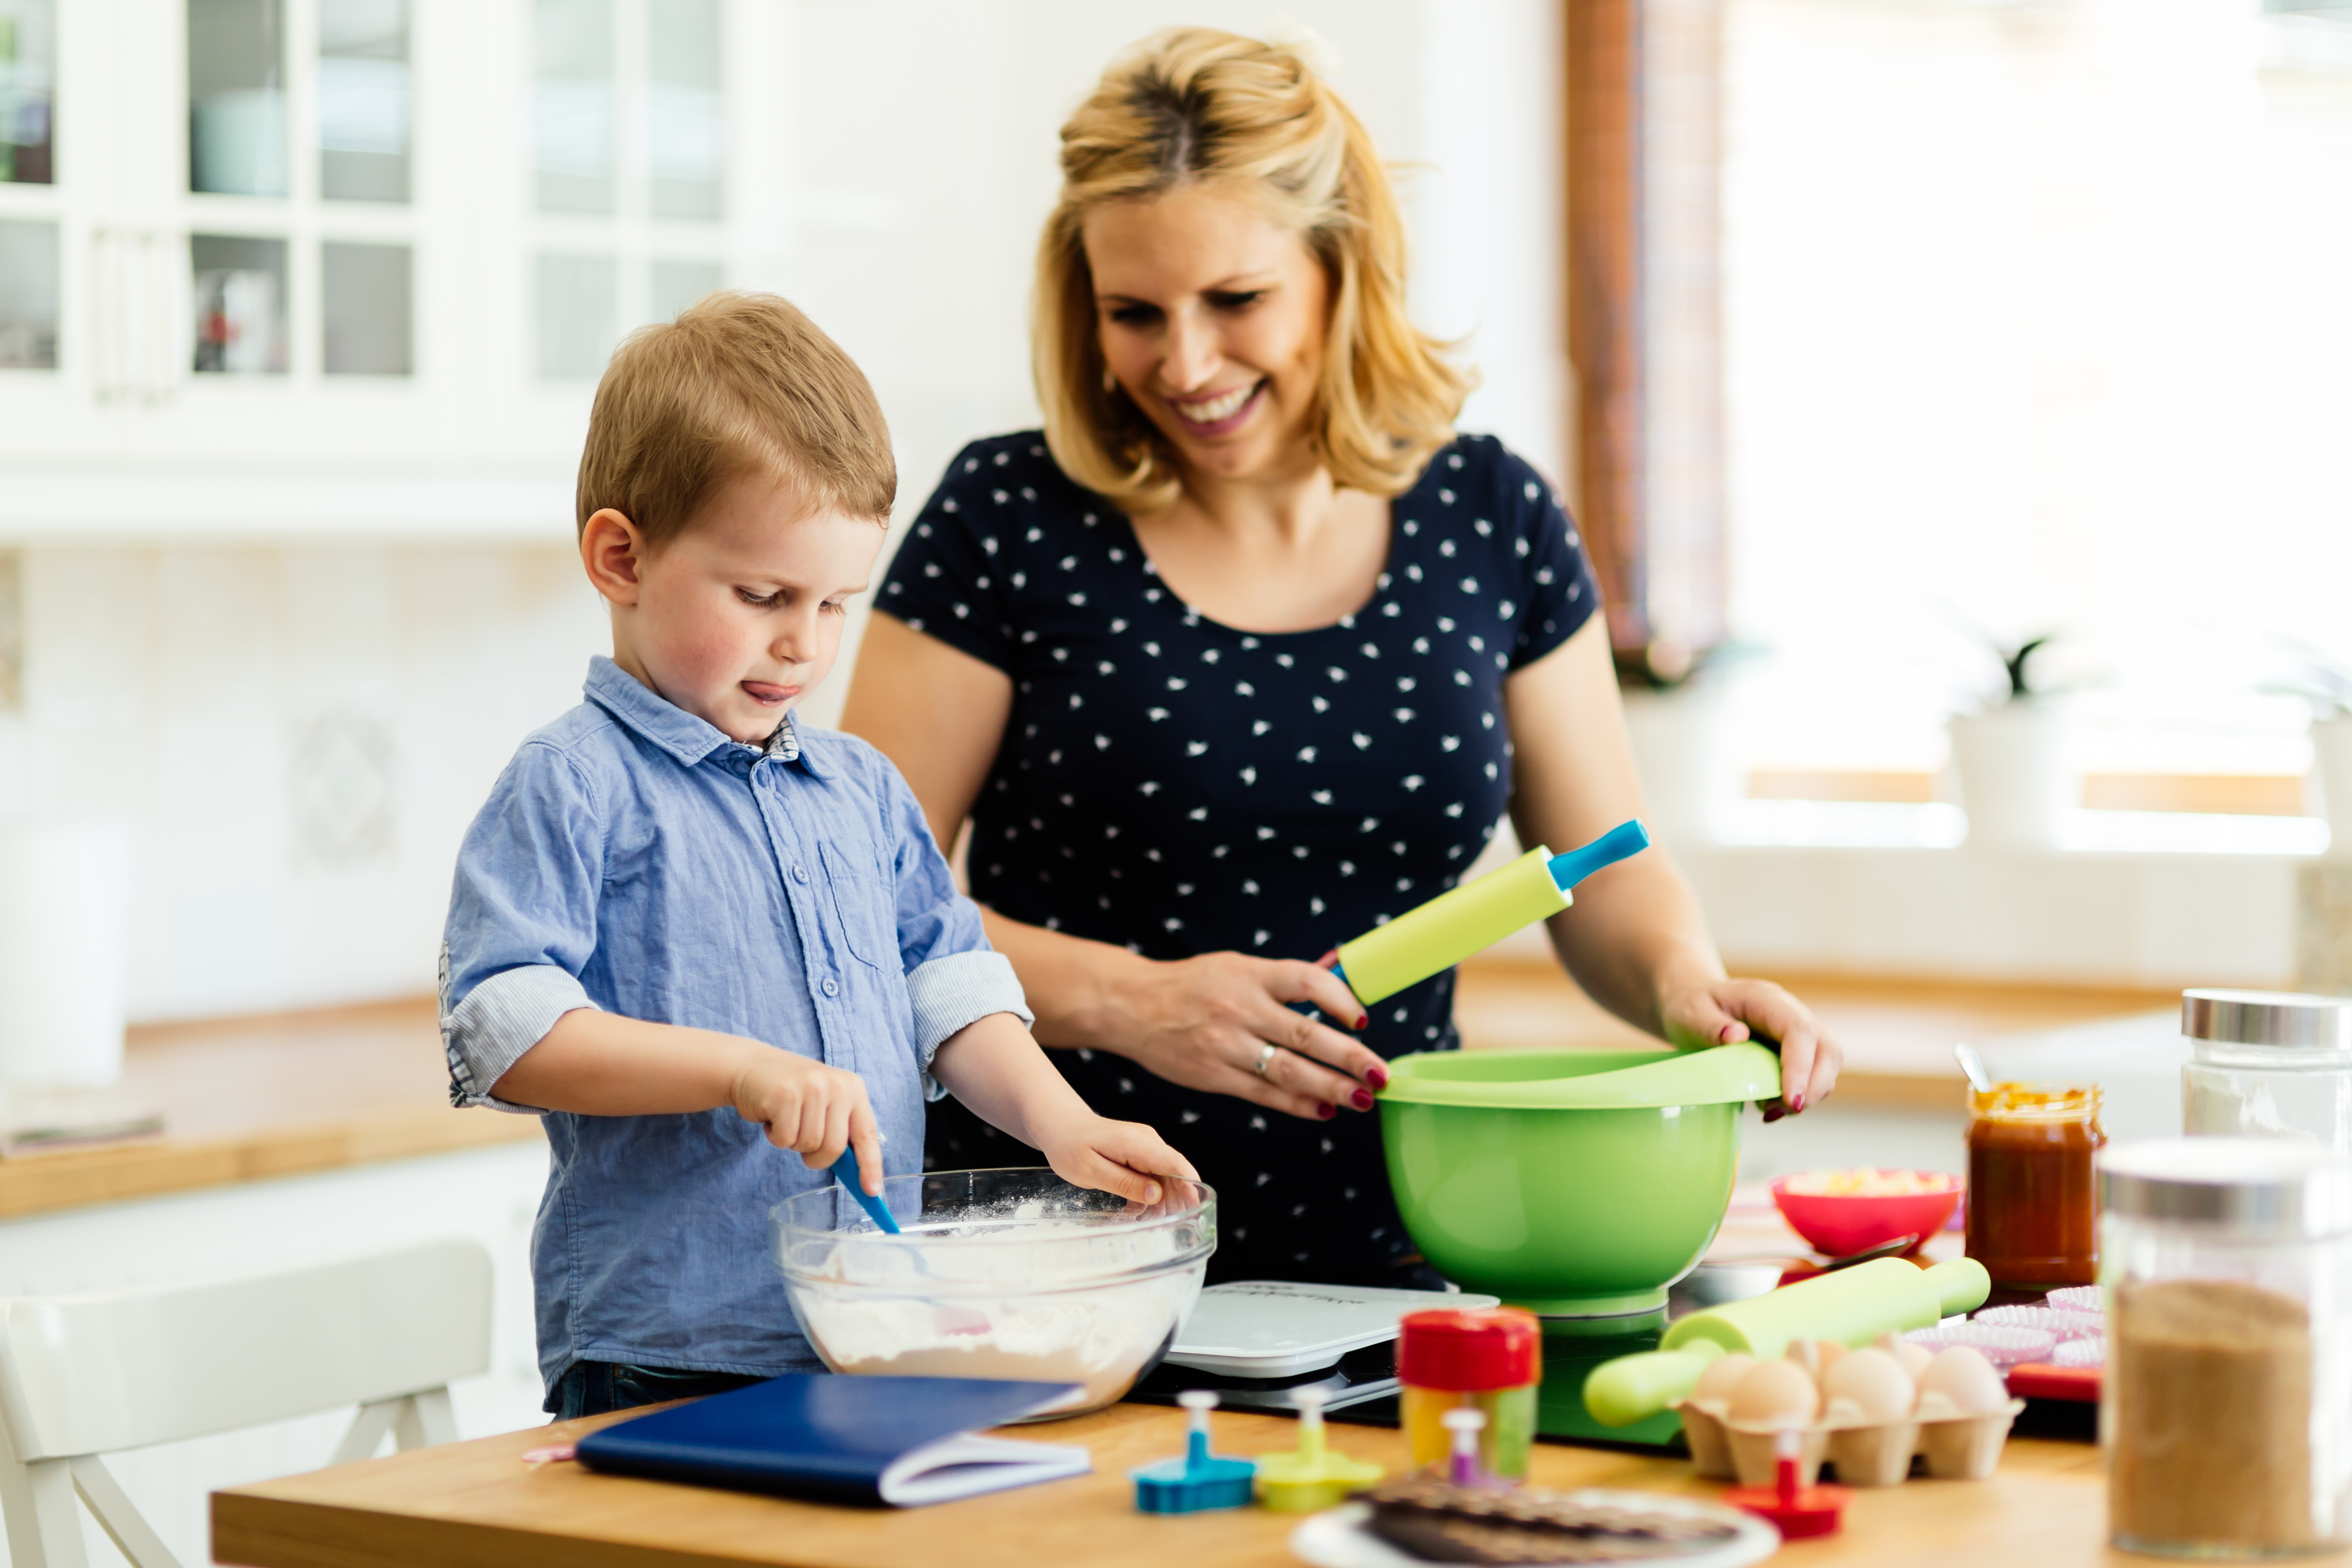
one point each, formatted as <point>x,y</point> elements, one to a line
<point>800,873</point>
<point>832,988</point>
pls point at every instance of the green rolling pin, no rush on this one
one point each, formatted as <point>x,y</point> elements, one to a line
<point>1851,1306</point>
<point>1441,934</point>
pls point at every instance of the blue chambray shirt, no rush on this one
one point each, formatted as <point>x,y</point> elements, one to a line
<point>634,857</point>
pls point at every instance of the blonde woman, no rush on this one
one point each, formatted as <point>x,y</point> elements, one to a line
<point>1247,651</point>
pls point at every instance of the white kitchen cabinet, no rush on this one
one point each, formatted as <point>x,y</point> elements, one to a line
<point>329,267</point>
<point>488,1194</point>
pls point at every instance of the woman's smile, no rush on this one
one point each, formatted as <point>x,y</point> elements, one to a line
<point>1219,412</point>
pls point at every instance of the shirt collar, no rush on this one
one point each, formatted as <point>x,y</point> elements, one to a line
<point>673,729</point>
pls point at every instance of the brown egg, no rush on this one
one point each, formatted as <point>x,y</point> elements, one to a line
<point>1775,1393</point>
<point>1960,1382</point>
<point>1869,1386</point>
<point>1716,1383</point>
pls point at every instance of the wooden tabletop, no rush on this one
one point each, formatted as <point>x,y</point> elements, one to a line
<point>273,1096</point>
<point>477,1505</point>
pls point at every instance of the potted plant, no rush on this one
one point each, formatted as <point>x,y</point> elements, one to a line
<point>2015,763</point>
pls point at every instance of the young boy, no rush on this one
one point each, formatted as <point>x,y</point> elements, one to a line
<point>683,929</point>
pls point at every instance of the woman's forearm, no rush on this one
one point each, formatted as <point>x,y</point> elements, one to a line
<point>1073,984</point>
<point>1634,937</point>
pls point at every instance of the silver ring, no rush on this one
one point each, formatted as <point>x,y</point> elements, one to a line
<point>1266,1055</point>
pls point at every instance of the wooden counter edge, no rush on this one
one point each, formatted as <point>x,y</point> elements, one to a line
<point>45,1183</point>
<point>258,1532</point>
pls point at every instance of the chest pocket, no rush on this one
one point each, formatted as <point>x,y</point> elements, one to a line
<point>862,902</point>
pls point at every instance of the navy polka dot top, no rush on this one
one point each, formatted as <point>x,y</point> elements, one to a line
<point>1176,786</point>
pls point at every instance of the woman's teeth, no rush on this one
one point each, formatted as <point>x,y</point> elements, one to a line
<point>1216,408</point>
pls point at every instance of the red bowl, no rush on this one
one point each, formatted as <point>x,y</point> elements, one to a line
<point>1840,1223</point>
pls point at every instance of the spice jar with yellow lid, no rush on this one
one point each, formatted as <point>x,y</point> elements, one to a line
<point>2032,1215</point>
<point>2226,1406</point>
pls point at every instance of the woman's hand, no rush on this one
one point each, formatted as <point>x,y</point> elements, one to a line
<point>1204,1021</point>
<point>1725,1012</point>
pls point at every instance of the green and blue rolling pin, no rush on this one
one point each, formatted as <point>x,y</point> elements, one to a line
<point>1451,926</point>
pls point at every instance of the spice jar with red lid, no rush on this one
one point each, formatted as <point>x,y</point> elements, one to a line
<point>1490,1362</point>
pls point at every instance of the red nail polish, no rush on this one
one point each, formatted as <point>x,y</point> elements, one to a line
<point>1328,959</point>
<point>1378,1077</point>
<point>1363,1020</point>
<point>1326,1110</point>
<point>1361,1099</point>
<point>1796,1103</point>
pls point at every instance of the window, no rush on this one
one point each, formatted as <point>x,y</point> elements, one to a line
<point>572,105</point>
<point>2034,320</point>
<point>684,129</point>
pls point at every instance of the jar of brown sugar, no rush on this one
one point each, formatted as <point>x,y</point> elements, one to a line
<point>2226,1410</point>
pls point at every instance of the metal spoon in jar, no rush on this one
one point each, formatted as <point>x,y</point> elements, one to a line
<point>1973,1065</point>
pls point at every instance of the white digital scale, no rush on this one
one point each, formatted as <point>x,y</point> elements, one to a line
<point>1255,1341</point>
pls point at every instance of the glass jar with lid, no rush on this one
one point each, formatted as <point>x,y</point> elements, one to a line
<point>2267,1064</point>
<point>2226,1406</point>
<point>2033,1214</point>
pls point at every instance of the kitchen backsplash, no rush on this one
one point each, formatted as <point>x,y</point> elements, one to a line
<point>297,738</point>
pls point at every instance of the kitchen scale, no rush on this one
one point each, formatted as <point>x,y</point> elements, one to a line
<point>1255,1341</point>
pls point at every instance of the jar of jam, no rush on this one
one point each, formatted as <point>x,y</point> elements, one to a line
<point>2033,1208</point>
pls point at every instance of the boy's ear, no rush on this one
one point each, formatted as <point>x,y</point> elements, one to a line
<point>612,551</point>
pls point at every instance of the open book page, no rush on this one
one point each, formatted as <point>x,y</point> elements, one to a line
<point>966,1466</point>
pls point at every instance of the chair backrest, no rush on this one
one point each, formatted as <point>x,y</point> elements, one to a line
<point>120,1369</point>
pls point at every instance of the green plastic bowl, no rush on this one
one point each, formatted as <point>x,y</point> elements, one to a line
<point>1575,1183</point>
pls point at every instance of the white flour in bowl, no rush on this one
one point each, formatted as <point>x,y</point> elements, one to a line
<point>1001,1318</point>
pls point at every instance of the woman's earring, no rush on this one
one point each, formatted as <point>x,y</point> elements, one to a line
<point>1110,382</point>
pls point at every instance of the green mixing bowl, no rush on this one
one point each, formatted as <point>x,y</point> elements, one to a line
<point>1575,1183</point>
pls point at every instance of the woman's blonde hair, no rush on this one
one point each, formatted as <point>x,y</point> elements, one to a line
<point>1193,104</point>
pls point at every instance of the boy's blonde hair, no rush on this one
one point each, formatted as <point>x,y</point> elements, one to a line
<point>1193,104</point>
<point>738,383</point>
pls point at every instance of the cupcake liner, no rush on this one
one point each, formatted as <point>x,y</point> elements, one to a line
<point>2064,1323</point>
<point>2004,1347</point>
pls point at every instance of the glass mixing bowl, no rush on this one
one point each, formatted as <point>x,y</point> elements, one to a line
<point>1002,1274</point>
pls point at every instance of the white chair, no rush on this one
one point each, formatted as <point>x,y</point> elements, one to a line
<point>92,1375</point>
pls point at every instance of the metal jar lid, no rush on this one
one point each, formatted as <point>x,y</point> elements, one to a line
<point>2267,1018</point>
<point>2274,1187</point>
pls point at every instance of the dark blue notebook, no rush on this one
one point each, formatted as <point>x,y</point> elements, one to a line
<point>901,1440</point>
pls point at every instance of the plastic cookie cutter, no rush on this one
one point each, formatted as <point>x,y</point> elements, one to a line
<point>1310,1476</point>
<point>1462,1468</point>
<point>1441,934</point>
<point>1795,1511</point>
<point>844,1170</point>
<point>1200,1480</point>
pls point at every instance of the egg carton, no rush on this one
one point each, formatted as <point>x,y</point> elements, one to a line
<point>1956,1444</point>
<point>1957,1448</point>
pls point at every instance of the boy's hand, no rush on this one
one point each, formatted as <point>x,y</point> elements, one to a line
<point>1121,1157</point>
<point>815,1110</point>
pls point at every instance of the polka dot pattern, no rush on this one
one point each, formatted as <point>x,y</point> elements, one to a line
<point>1178,786</point>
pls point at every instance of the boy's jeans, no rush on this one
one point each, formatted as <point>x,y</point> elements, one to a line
<point>594,1388</point>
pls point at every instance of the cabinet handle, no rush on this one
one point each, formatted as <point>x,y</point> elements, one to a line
<point>110,347</point>
<point>139,315</point>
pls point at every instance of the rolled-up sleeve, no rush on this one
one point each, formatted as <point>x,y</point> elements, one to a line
<point>953,977</point>
<point>523,920</point>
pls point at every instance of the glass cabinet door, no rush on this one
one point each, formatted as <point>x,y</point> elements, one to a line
<point>363,101</point>
<point>28,69</point>
<point>236,97</point>
<point>685,130</point>
<point>573,104</point>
